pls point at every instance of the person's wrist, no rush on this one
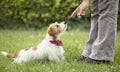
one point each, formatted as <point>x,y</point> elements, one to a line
<point>86,0</point>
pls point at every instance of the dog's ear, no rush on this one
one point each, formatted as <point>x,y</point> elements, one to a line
<point>56,22</point>
<point>52,31</point>
<point>49,31</point>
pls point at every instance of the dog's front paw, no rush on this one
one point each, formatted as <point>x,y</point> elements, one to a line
<point>63,58</point>
<point>54,58</point>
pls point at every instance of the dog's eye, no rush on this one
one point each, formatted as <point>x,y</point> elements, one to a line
<point>57,26</point>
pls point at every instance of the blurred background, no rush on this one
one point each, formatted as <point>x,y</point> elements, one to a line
<point>37,14</point>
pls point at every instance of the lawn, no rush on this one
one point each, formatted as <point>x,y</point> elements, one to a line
<point>74,42</point>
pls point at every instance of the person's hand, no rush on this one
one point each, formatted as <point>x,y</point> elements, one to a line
<point>81,9</point>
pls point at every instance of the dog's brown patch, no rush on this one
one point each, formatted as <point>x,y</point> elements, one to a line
<point>26,49</point>
<point>34,48</point>
<point>13,55</point>
<point>54,29</point>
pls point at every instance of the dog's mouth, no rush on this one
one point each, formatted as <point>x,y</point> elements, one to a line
<point>63,26</point>
<point>57,28</point>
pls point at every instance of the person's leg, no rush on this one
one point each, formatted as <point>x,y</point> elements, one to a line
<point>93,29</point>
<point>103,47</point>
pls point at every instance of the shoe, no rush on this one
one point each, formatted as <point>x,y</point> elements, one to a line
<point>81,58</point>
<point>91,61</point>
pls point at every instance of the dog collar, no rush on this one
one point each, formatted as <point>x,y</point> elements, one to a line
<point>56,42</point>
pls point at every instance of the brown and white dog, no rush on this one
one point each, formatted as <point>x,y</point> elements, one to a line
<point>50,48</point>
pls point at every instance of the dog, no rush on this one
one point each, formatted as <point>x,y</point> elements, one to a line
<point>50,48</point>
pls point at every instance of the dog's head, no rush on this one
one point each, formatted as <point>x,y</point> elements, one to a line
<point>56,28</point>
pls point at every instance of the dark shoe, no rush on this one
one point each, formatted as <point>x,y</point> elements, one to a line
<point>81,58</point>
<point>91,61</point>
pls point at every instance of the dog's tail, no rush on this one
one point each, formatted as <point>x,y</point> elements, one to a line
<point>4,53</point>
<point>9,55</point>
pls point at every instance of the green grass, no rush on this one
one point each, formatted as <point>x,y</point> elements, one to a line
<point>74,42</point>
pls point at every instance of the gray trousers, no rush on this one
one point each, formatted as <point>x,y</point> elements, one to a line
<point>103,30</point>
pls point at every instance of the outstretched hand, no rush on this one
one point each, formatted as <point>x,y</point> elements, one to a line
<point>81,9</point>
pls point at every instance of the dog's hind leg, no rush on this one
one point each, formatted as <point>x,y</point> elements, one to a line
<point>53,58</point>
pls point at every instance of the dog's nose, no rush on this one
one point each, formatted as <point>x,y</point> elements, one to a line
<point>65,22</point>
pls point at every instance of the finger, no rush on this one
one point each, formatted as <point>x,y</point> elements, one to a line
<point>79,13</point>
<point>73,14</point>
<point>79,17</point>
<point>83,13</point>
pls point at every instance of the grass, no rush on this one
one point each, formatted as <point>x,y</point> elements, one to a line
<point>74,42</point>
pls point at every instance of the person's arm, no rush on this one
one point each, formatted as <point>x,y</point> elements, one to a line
<point>81,9</point>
